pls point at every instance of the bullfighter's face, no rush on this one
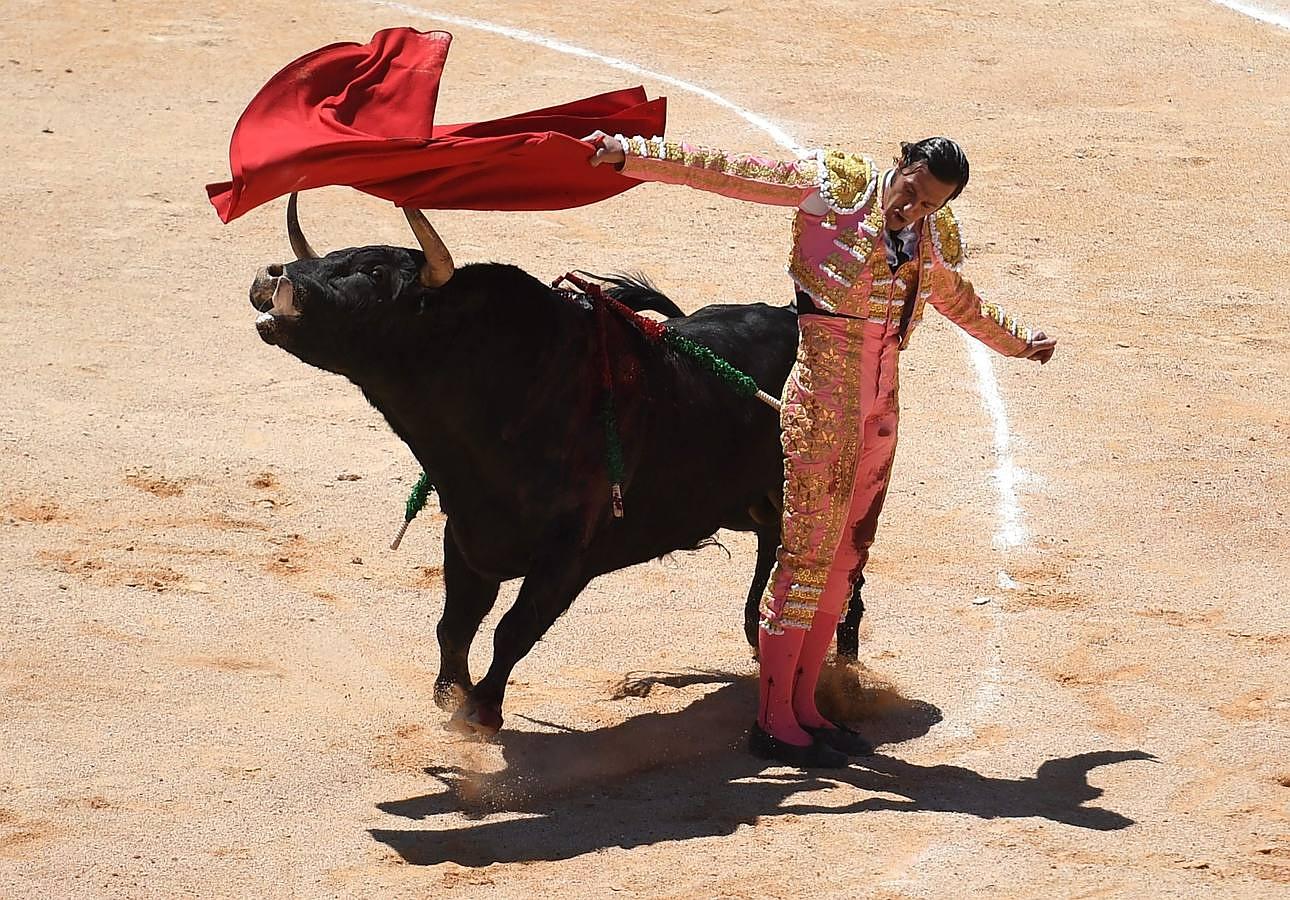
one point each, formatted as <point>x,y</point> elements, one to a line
<point>914,192</point>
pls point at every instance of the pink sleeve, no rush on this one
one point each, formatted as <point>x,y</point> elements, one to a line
<point>741,177</point>
<point>956,299</point>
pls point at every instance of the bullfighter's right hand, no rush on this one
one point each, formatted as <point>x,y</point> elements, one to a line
<point>608,149</point>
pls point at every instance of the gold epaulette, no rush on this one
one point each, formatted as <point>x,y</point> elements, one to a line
<point>846,180</point>
<point>946,238</point>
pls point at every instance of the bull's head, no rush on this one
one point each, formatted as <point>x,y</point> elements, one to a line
<point>330,310</point>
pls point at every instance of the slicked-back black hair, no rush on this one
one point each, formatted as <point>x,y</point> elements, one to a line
<point>944,158</point>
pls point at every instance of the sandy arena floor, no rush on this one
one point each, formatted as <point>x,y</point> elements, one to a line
<point>215,680</point>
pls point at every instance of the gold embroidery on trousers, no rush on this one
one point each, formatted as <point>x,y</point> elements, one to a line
<point>820,469</point>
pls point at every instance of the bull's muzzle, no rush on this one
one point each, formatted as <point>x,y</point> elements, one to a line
<point>273,294</point>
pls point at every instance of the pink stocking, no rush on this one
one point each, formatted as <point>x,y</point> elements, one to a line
<point>809,662</point>
<point>778,653</point>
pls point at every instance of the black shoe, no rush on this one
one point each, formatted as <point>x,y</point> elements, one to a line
<point>842,739</point>
<point>816,755</point>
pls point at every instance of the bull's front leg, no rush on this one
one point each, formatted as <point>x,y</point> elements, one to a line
<point>548,589</point>
<point>468,598</point>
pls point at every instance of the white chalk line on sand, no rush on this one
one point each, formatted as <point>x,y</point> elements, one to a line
<point>1254,11</point>
<point>1010,532</point>
<point>781,137</point>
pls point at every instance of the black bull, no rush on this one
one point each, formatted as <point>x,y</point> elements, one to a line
<point>494,381</point>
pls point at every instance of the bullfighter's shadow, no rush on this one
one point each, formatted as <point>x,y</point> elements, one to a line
<point>673,776</point>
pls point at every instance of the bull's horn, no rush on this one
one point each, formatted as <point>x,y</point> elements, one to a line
<point>438,267</point>
<point>299,246</point>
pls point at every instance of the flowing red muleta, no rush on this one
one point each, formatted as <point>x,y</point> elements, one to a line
<point>363,115</point>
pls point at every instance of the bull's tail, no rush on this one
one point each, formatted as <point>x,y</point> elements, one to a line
<point>703,544</point>
<point>638,292</point>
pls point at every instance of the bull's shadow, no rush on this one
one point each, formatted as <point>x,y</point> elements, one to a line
<point>673,776</point>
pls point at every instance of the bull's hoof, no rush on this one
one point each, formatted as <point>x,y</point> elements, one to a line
<point>449,695</point>
<point>482,721</point>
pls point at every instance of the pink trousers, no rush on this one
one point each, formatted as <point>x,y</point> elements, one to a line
<point>839,422</point>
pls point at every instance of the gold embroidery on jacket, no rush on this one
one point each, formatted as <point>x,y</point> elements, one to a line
<point>846,271</point>
<point>854,242</point>
<point>945,236</point>
<point>845,180</point>
<point>793,174</point>
<point>1004,320</point>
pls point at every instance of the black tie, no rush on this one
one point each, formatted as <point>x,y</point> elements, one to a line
<point>898,248</point>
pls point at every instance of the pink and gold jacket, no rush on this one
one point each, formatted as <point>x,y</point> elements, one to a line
<point>839,257</point>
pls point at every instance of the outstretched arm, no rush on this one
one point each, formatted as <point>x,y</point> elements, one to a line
<point>959,302</point>
<point>742,177</point>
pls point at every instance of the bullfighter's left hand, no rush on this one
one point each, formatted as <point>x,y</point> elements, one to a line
<point>1040,348</point>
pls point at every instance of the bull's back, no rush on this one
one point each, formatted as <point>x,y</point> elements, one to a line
<point>706,453</point>
<point>756,338</point>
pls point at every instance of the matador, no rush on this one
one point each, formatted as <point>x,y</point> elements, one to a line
<point>871,248</point>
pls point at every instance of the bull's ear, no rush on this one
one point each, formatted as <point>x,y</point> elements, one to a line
<point>299,246</point>
<point>438,267</point>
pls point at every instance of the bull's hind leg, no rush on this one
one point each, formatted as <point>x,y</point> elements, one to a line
<point>849,627</point>
<point>547,591</point>
<point>767,544</point>
<point>468,597</point>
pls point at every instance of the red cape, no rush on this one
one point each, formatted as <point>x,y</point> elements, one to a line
<point>363,116</point>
